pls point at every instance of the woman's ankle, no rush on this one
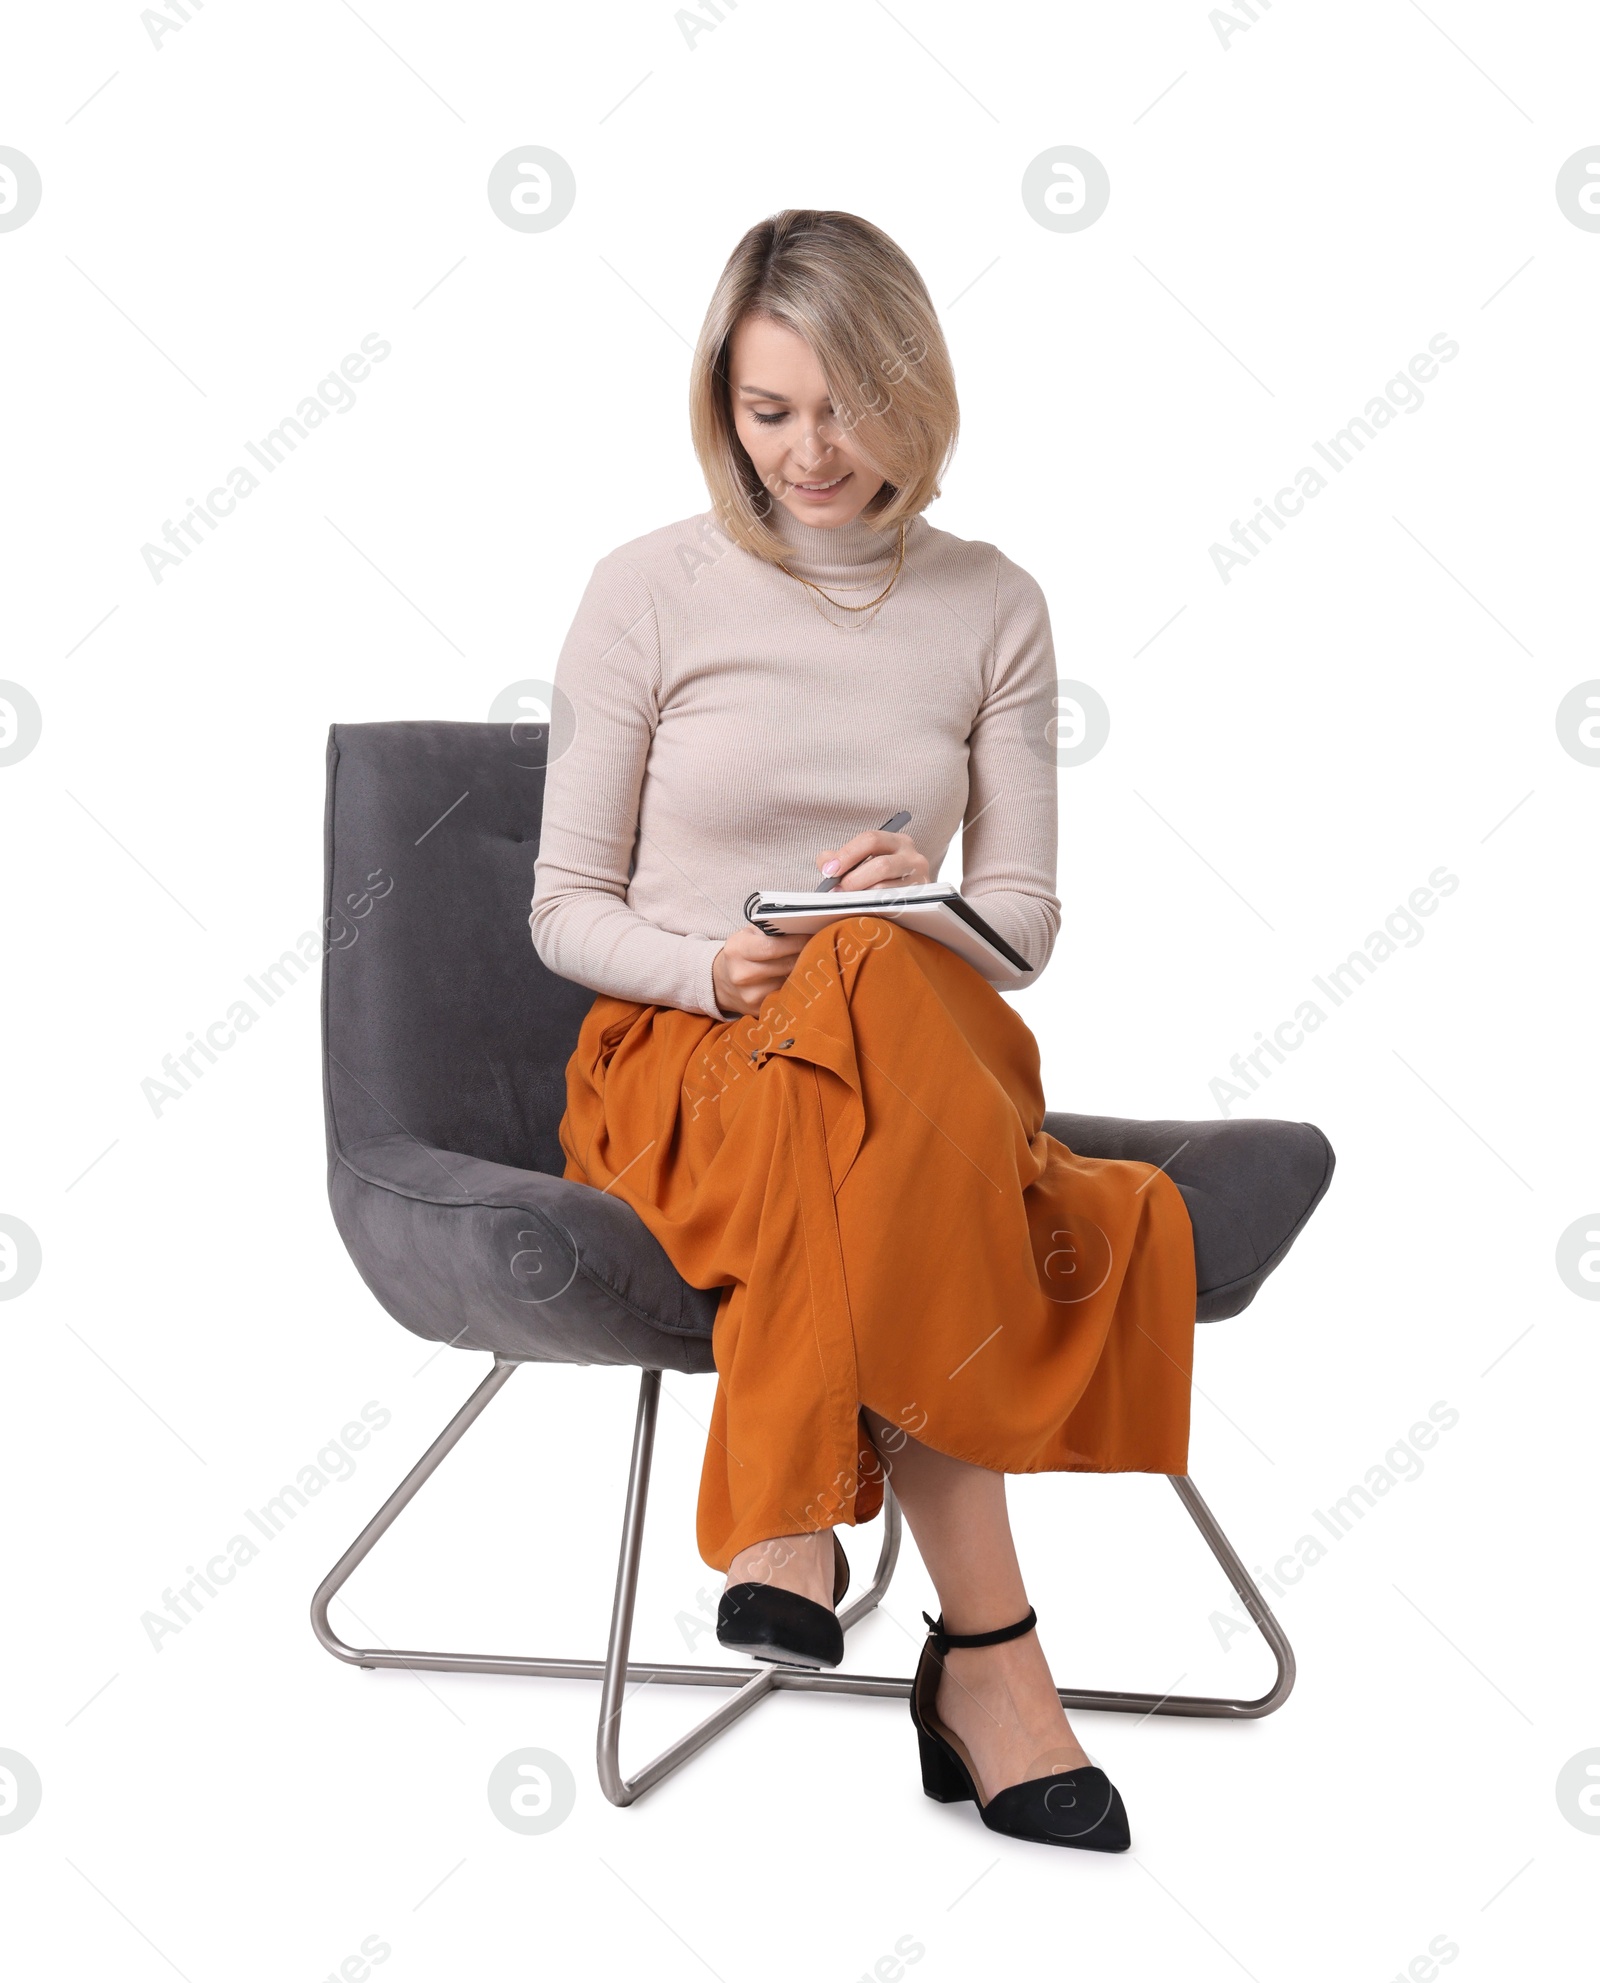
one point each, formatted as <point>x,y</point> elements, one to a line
<point>799,1563</point>
<point>988,1613</point>
<point>1002,1701</point>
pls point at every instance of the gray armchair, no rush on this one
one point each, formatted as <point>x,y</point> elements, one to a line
<point>445,1044</point>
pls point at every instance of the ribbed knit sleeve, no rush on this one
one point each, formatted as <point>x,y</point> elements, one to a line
<point>1008,840</point>
<point>609,668</point>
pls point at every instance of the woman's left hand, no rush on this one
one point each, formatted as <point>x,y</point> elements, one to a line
<point>874,860</point>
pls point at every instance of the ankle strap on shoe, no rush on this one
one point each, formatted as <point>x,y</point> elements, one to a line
<point>943,1640</point>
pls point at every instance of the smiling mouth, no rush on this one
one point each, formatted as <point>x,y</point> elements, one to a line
<point>818,486</point>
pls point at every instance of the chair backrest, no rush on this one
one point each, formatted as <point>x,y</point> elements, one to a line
<point>437,1016</point>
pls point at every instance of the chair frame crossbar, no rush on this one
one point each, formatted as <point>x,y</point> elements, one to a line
<point>751,1684</point>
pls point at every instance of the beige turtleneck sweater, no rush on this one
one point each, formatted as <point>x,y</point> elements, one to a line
<point>728,725</point>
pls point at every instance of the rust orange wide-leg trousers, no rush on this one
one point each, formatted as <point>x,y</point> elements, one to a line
<point>862,1169</point>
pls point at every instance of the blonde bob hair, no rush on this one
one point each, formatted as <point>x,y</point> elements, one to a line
<point>855,297</point>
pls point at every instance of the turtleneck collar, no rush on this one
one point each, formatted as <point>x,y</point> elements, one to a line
<point>840,549</point>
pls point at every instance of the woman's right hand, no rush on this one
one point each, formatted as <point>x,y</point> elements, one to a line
<point>751,966</point>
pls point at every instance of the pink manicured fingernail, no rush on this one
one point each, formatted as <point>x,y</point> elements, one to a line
<point>830,867</point>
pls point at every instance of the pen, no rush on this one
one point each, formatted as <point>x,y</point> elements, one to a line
<point>891,825</point>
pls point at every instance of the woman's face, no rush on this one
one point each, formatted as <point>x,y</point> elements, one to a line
<point>783,414</point>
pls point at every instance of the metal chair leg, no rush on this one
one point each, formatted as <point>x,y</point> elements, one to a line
<point>361,1547</point>
<point>1268,1626</point>
<point>757,1685</point>
<point>1220,1708</point>
<point>616,1670</point>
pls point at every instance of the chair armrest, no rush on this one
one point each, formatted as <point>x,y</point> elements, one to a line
<point>530,1266</point>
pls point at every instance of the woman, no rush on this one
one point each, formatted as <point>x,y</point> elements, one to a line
<point>843,1131</point>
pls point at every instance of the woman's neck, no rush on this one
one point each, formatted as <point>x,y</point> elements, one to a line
<point>837,548</point>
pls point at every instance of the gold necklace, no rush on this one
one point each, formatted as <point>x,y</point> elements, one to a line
<point>843,608</point>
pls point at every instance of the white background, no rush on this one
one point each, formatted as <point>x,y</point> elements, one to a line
<point>1292,217</point>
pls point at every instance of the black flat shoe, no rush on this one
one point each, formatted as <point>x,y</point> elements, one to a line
<point>782,1627</point>
<point>1073,1807</point>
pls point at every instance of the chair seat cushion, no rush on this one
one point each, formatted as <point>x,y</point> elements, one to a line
<point>1249,1186</point>
<point>537,1268</point>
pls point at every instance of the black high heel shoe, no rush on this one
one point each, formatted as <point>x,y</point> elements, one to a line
<point>1073,1807</point>
<point>781,1626</point>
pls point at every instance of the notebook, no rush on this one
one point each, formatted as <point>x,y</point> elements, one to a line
<point>934,907</point>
